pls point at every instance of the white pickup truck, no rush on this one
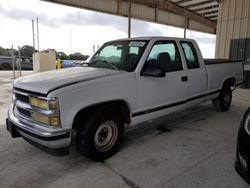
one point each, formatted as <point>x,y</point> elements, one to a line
<point>126,82</point>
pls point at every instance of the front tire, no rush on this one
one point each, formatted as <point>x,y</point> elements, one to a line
<point>223,102</point>
<point>5,67</point>
<point>101,135</point>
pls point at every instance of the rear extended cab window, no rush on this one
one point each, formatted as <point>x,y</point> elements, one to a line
<point>190,55</point>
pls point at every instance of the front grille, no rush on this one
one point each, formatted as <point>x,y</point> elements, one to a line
<point>24,112</point>
<point>22,98</point>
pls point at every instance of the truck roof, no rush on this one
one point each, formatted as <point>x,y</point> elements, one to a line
<point>154,38</point>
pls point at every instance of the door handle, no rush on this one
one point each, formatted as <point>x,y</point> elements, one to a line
<point>184,78</point>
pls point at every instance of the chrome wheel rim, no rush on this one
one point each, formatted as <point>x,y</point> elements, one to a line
<point>106,136</point>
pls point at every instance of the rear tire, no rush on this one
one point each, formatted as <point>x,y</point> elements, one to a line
<point>100,136</point>
<point>223,102</point>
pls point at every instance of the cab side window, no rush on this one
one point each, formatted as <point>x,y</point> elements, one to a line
<point>165,54</point>
<point>190,55</point>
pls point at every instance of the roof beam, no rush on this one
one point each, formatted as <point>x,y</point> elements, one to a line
<point>202,4</point>
<point>199,7</point>
<point>180,1</point>
<point>175,1</point>
<point>192,2</point>
<point>211,15</point>
<point>208,10</point>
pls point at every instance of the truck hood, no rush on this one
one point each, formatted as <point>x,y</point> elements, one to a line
<point>48,81</point>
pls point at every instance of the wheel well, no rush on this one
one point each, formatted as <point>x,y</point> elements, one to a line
<point>117,106</point>
<point>229,82</point>
<point>4,64</point>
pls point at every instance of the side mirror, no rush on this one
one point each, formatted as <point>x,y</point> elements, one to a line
<point>153,71</point>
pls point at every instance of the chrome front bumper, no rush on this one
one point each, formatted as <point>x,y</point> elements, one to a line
<point>53,140</point>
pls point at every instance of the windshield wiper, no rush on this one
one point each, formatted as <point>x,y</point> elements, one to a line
<point>112,65</point>
<point>104,61</point>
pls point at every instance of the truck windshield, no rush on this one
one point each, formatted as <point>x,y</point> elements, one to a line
<point>119,55</point>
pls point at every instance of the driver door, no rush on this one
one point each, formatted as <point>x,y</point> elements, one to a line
<point>158,95</point>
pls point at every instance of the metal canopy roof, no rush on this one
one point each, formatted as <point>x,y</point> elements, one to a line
<point>198,15</point>
<point>206,8</point>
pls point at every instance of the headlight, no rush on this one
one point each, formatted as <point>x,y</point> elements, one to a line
<point>44,104</point>
<point>48,120</point>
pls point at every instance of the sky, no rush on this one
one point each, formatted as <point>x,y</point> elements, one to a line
<point>70,29</point>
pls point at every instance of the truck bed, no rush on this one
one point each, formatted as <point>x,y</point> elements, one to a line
<point>219,70</point>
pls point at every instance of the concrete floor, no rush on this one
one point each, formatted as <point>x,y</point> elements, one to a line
<point>198,152</point>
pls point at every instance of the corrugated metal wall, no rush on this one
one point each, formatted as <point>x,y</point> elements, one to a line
<point>233,23</point>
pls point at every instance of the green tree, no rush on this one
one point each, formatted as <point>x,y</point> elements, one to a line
<point>62,55</point>
<point>7,51</point>
<point>78,56</point>
<point>27,51</point>
<point>4,51</point>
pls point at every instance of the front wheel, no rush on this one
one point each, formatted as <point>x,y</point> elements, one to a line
<point>101,136</point>
<point>5,67</point>
<point>223,102</point>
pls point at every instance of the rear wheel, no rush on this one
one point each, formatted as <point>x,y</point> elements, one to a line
<point>100,136</point>
<point>223,102</point>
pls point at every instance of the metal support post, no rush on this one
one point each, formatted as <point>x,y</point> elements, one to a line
<point>19,61</point>
<point>13,62</point>
<point>129,19</point>
<point>186,26</point>
<point>33,35</point>
<point>37,34</point>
